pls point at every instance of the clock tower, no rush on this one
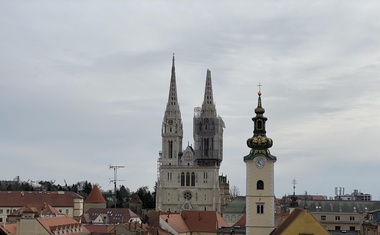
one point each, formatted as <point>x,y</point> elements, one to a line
<point>260,197</point>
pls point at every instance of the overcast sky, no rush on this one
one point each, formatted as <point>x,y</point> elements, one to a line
<point>84,84</point>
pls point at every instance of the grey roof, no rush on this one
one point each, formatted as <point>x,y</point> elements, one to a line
<point>340,206</point>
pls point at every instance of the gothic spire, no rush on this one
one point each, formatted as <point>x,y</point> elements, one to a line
<point>172,107</point>
<point>208,106</point>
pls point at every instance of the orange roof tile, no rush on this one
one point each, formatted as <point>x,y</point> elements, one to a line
<point>176,222</point>
<point>203,221</point>
<point>95,196</point>
<point>241,222</point>
<point>103,229</point>
<point>37,198</point>
<point>9,229</point>
<point>115,215</point>
<point>51,223</point>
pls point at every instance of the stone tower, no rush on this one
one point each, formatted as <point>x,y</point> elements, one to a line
<point>189,179</point>
<point>260,197</point>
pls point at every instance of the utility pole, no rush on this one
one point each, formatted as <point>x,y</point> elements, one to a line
<point>115,167</point>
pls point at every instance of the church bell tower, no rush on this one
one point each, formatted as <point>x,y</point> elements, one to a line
<point>260,197</point>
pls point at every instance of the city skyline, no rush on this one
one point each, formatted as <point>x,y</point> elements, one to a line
<point>84,85</point>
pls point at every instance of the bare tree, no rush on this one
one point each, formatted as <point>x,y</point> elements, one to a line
<point>234,191</point>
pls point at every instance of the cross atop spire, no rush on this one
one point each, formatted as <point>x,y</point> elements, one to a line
<point>259,89</point>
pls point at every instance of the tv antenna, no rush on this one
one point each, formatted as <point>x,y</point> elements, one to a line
<point>115,168</point>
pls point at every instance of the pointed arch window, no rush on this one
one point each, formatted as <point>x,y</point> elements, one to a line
<point>260,185</point>
<point>187,179</point>
<point>192,179</point>
<point>170,148</point>
<point>206,146</point>
<point>182,179</point>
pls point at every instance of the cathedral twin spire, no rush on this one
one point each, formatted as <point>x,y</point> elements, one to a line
<point>208,106</point>
<point>172,107</point>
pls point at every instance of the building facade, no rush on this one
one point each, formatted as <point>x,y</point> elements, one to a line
<point>260,197</point>
<point>188,179</point>
<point>68,203</point>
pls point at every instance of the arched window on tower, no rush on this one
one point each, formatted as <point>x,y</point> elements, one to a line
<point>182,179</point>
<point>260,185</point>
<point>192,179</point>
<point>206,146</point>
<point>170,148</point>
<point>187,179</point>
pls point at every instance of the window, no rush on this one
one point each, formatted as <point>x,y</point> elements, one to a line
<point>192,179</point>
<point>170,176</point>
<point>323,217</point>
<point>337,217</point>
<point>259,124</point>
<point>205,146</point>
<point>1,211</point>
<point>187,195</point>
<point>182,179</point>
<point>337,227</point>
<point>352,228</point>
<point>205,177</point>
<point>170,148</point>
<point>260,185</point>
<point>352,218</point>
<point>260,208</point>
<point>187,179</point>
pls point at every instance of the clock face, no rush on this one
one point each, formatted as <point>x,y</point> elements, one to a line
<point>260,162</point>
<point>170,122</point>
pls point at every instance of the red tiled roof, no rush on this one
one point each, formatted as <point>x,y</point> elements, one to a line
<point>101,228</point>
<point>37,198</point>
<point>176,222</point>
<point>115,215</point>
<point>242,221</point>
<point>9,229</point>
<point>203,221</point>
<point>51,223</point>
<point>95,196</point>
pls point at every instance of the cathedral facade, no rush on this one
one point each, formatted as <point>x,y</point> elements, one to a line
<point>188,179</point>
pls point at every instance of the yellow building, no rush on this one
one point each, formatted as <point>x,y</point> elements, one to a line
<point>300,222</point>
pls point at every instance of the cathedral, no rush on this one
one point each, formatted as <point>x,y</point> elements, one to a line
<point>188,179</point>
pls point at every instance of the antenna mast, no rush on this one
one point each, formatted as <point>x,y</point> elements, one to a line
<point>115,167</point>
